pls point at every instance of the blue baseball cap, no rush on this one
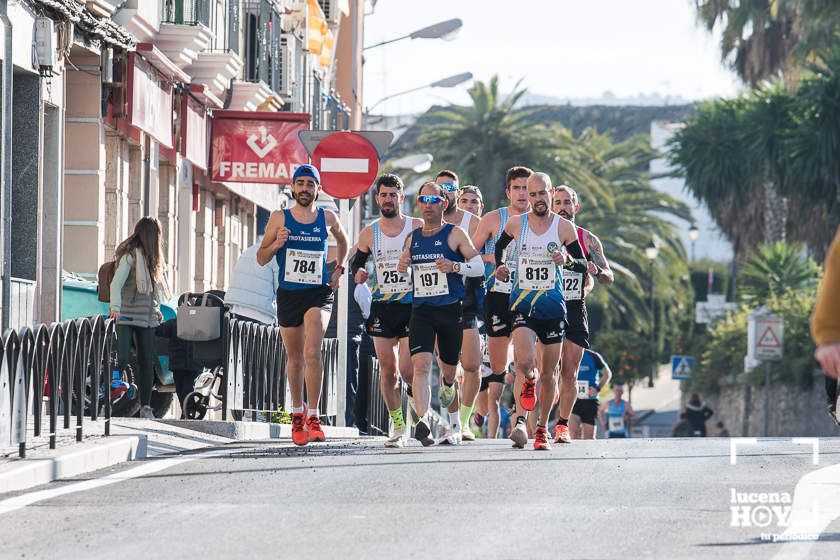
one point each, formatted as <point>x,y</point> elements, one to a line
<point>307,170</point>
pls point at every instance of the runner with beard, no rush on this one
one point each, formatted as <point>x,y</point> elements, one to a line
<point>576,286</point>
<point>461,409</point>
<point>498,318</point>
<point>297,238</point>
<point>390,310</point>
<point>537,301</point>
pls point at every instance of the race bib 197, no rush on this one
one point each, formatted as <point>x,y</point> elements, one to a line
<point>304,267</point>
<point>536,273</point>
<point>429,281</point>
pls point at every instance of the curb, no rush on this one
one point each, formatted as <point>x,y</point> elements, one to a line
<point>85,457</point>
<point>245,431</point>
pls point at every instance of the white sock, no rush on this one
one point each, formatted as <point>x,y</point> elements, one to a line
<point>455,420</point>
<point>314,412</point>
<point>297,409</point>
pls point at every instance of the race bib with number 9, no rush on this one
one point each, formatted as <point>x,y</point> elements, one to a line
<point>429,281</point>
<point>304,267</point>
<point>536,273</point>
<point>572,285</point>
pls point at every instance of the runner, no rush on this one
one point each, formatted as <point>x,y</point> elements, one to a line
<point>470,200</point>
<point>576,286</point>
<point>616,413</point>
<point>461,409</point>
<point>390,310</point>
<point>537,301</point>
<point>297,238</point>
<point>437,254</point>
<point>498,318</point>
<point>593,375</point>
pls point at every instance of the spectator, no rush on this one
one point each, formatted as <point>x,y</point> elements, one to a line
<point>252,294</point>
<point>138,287</point>
<point>696,412</point>
<point>721,430</point>
<point>825,324</point>
<point>184,368</point>
<point>683,427</point>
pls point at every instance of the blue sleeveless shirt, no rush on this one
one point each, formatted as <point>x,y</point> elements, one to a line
<point>304,253</point>
<point>616,411</point>
<point>545,302</point>
<point>427,279</point>
<point>590,369</point>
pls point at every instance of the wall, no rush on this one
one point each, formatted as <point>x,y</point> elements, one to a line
<point>792,412</point>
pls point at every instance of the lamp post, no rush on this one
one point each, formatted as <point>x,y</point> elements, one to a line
<point>693,234</point>
<point>449,82</point>
<point>651,252</point>
<point>445,30</point>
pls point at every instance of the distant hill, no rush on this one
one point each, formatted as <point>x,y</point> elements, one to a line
<point>621,122</point>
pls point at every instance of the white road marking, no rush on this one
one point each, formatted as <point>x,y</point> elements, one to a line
<point>344,165</point>
<point>153,466</point>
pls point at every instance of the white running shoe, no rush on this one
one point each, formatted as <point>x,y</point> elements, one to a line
<point>467,434</point>
<point>398,437</point>
<point>452,436</point>
<point>519,435</point>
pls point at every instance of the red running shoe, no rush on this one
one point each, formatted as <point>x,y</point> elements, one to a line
<point>315,431</point>
<point>541,440</point>
<point>528,396</point>
<point>298,431</point>
<point>561,434</point>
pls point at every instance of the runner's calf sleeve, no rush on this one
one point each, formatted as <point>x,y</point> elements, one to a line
<point>501,244</point>
<point>359,260</point>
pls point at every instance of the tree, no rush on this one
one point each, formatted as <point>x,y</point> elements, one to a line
<point>776,269</point>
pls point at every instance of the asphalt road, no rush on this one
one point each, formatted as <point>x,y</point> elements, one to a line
<point>635,498</point>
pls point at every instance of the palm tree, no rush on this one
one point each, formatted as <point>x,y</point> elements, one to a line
<point>776,269</point>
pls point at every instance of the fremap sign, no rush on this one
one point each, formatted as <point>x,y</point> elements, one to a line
<point>257,147</point>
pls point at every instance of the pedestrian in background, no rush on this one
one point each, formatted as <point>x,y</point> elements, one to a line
<point>825,323</point>
<point>252,293</point>
<point>138,287</point>
<point>696,412</point>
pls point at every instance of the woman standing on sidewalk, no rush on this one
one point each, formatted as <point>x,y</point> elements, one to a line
<point>138,287</point>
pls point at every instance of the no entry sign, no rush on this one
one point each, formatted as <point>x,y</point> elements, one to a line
<point>348,164</point>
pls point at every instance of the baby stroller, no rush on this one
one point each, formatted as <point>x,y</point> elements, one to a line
<point>210,354</point>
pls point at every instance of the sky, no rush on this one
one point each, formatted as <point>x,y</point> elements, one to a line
<point>560,48</point>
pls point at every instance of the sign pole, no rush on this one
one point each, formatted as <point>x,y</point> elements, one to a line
<point>341,325</point>
<point>766,398</point>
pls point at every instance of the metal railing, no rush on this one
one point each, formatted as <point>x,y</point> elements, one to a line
<point>377,413</point>
<point>54,369</point>
<point>185,12</point>
<point>262,43</point>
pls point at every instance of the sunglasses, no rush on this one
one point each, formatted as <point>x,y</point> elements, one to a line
<point>430,199</point>
<point>450,187</point>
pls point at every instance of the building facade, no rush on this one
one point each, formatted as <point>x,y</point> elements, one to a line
<point>113,110</point>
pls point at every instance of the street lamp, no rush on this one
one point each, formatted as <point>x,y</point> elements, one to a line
<point>693,234</point>
<point>651,252</point>
<point>449,82</point>
<point>446,30</point>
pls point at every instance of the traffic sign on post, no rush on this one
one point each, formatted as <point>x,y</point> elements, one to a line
<point>767,336</point>
<point>348,163</point>
<point>681,367</point>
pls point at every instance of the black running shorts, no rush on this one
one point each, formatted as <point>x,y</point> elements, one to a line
<point>292,305</point>
<point>548,331</point>
<point>577,322</point>
<point>498,318</point>
<point>388,319</point>
<point>437,322</point>
<point>587,410</point>
<point>492,378</point>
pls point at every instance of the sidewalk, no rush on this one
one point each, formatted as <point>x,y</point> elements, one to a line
<point>131,439</point>
<point>656,407</point>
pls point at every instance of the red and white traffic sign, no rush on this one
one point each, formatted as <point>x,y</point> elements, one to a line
<point>348,164</point>
<point>769,336</point>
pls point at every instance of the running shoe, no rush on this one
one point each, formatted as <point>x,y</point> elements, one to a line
<point>528,396</point>
<point>519,434</point>
<point>299,435</point>
<point>398,437</point>
<point>467,434</point>
<point>147,412</point>
<point>478,419</point>
<point>561,434</point>
<point>423,434</point>
<point>446,394</point>
<point>541,440</point>
<point>452,436</point>
<point>315,431</point>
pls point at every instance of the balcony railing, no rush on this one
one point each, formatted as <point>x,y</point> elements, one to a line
<point>186,12</point>
<point>227,35</point>
<point>262,43</point>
